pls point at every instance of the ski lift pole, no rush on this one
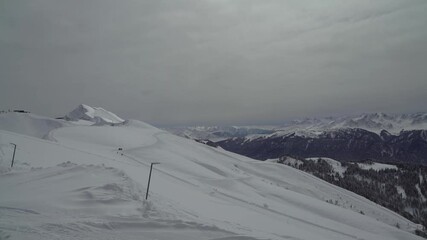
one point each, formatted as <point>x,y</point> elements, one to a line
<point>13,157</point>
<point>149,178</point>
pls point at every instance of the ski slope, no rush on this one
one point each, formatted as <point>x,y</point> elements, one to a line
<point>78,185</point>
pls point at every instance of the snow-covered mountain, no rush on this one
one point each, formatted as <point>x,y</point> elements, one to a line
<point>346,144</point>
<point>96,115</point>
<point>217,133</point>
<point>378,136</point>
<point>394,123</point>
<point>88,182</point>
<point>373,122</point>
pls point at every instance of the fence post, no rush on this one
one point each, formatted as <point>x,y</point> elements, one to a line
<point>13,157</point>
<point>149,178</point>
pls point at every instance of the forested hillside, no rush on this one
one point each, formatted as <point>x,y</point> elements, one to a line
<point>402,189</point>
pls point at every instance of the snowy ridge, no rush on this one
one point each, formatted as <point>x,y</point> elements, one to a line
<point>30,124</point>
<point>83,187</point>
<point>218,133</point>
<point>310,127</point>
<point>374,122</point>
<point>93,114</point>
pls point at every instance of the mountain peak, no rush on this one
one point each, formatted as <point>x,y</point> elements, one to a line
<point>93,114</point>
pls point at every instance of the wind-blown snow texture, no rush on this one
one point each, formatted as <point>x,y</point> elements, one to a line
<point>78,185</point>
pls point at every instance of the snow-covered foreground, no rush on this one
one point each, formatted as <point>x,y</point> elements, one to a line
<point>78,185</point>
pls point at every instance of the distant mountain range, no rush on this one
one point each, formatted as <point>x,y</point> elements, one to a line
<point>374,122</point>
<point>342,144</point>
<point>376,136</point>
<point>217,133</point>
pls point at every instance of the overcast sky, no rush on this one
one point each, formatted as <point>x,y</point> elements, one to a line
<point>214,61</point>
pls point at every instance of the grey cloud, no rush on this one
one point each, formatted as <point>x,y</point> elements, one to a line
<point>214,62</point>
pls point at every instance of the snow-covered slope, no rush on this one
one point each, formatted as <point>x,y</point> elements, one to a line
<point>93,114</point>
<point>29,124</point>
<point>40,127</point>
<point>81,186</point>
<point>376,166</point>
